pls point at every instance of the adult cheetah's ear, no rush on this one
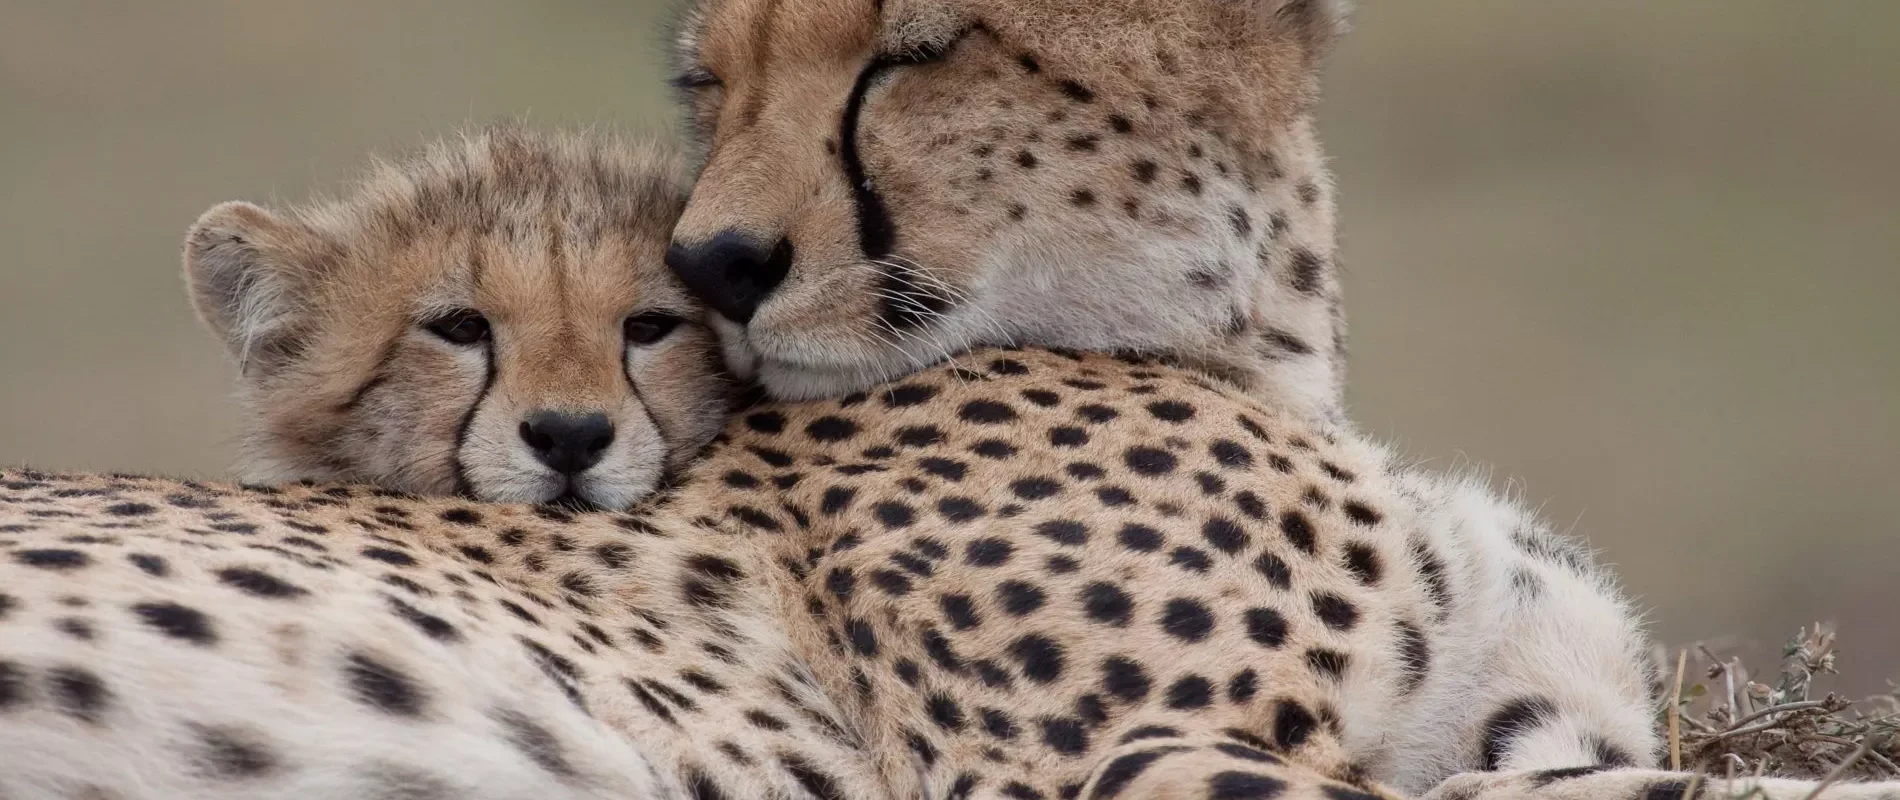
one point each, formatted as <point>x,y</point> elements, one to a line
<point>245,267</point>
<point>1315,24</point>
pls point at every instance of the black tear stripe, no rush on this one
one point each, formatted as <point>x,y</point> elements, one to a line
<point>462,485</point>
<point>904,304</point>
<point>666,441</point>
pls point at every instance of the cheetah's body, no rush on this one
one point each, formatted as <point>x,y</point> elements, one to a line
<point>970,584</point>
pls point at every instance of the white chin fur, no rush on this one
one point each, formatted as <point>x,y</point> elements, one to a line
<point>794,367</point>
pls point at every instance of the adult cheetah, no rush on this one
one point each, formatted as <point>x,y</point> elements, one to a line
<point>889,183</point>
<point>1109,175</point>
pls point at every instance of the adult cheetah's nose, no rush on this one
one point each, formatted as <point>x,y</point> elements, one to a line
<point>732,272</point>
<point>568,443</point>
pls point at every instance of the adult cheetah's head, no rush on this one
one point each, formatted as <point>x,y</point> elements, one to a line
<point>490,318</point>
<point>888,182</point>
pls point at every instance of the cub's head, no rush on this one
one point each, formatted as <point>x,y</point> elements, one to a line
<point>491,317</point>
<point>888,182</point>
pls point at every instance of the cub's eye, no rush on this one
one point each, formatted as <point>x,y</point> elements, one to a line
<point>697,79</point>
<point>645,329</point>
<point>462,326</point>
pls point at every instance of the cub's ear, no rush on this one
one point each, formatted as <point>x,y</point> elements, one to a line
<point>246,269</point>
<point>1315,24</point>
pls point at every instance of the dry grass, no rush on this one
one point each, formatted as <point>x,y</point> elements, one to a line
<point>1722,721</point>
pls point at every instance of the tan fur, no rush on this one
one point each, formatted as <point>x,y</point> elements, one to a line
<point>554,239</point>
<point>1099,174</point>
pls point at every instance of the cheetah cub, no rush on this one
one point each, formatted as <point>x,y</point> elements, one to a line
<point>489,318</point>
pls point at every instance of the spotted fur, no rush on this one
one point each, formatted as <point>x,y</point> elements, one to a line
<point>460,307</point>
<point>1031,575</point>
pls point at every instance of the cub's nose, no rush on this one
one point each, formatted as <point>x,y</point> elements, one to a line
<point>732,272</point>
<point>568,443</point>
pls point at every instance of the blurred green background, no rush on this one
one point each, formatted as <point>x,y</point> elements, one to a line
<point>1637,259</point>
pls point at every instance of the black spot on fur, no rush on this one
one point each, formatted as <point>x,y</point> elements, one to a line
<point>229,755</point>
<point>815,781</point>
<point>259,584</point>
<point>539,745</point>
<point>1035,488</point>
<point>1266,627</point>
<point>178,622</point>
<point>1308,272</point>
<point>1065,735</point>
<point>1149,461</point>
<point>80,693</point>
<point>1415,655</point>
<point>1106,603</point>
<point>13,689</point>
<point>1287,342</point>
<point>1040,657</point>
<point>1068,533</point>
<point>895,515</point>
<point>1243,686</point>
<point>1516,718</point>
<point>462,516</point>
<point>388,556</point>
<point>1190,693</point>
<point>831,429</point>
<point>1233,785</point>
<point>1364,564</point>
<point>1432,569</point>
<point>701,787</point>
<point>1188,620</point>
<point>1292,725</point>
<point>1547,777</point>
<point>150,565</point>
<point>383,687</point>
<point>1019,598</point>
<point>945,712</point>
<point>1124,679</point>
<point>1299,532</point>
<point>52,559</point>
<point>1225,535</point>
<point>986,412</point>
<point>1361,513</point>
<point>1337,612</point>
<point>1610,755</point>
<point>988,552</point>
<point>1329,663</point>
<point>1017,790</point>
<point>1123,771</point>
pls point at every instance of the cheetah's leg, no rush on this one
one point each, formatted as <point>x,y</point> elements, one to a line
<point>1538,662</point>
<point>1553,699</point>
<point>1211,768</point>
